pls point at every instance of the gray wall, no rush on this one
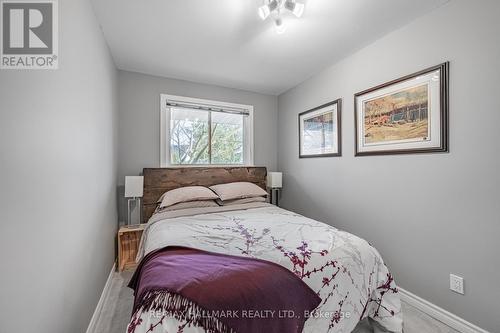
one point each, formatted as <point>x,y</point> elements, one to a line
<point>429,215</point>
<point>58,182</point>
<point>139,121</point>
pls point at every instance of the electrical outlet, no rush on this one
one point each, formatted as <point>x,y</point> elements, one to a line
<point>457,283</point>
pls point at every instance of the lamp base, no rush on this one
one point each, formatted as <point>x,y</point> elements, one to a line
<point>129,216</point>
<point>274,190</point>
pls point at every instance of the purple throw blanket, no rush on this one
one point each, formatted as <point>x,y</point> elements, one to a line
<point>222,293</point>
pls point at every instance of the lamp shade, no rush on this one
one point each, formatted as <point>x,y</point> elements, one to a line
<point>275,180</point>
<point>133,186</point>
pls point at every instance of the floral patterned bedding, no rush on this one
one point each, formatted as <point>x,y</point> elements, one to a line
<point>347,273</point>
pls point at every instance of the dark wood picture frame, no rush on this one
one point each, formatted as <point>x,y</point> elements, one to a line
<point>339,129</point>
<point>444,102</point>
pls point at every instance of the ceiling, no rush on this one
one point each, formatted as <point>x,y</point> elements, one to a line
<point>224,42</point>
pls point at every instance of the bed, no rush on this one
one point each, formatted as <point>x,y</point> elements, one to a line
<point>345,271</point>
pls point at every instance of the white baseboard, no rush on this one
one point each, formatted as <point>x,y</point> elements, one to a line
<point>423,305</point>
<point>440,314</point>
<point>104,295</point>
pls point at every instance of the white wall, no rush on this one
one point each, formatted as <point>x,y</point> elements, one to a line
<point>58,182</point>
<point>432,214</point>
<point>139,121</point>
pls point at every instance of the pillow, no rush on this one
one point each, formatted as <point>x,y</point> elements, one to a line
<point>188,193</point>
<point>187,205</point>
<point>240,201</point>
<point>238,190</point>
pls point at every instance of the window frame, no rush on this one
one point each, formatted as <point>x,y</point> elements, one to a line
<point>248,134</point>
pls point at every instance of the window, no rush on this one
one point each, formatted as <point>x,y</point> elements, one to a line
<point>204,132</point>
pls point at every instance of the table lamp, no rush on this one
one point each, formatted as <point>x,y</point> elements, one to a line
<point>133,191</point>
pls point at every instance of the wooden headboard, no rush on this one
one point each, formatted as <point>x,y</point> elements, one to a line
<point>160,180</point>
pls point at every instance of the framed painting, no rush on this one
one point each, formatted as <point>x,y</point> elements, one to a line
<point>320,131</point>
<point>405,116</point>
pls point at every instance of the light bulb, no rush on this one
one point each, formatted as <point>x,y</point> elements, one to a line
<point>264,12</point>
<point>298,10</point>
<point>295,7</point>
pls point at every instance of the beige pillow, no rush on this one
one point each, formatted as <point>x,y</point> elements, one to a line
<point>187,205</point>
<point>238,190</point>
<point>188,193</point>
<point>240,201</point>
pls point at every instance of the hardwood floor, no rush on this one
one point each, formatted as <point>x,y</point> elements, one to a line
<point>118,306</point>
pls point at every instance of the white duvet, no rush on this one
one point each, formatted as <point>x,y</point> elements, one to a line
<point>347,273</point>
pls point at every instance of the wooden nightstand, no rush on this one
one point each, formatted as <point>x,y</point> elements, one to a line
<point>129,239</point>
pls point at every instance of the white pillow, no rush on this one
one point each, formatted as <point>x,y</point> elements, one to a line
<point>185,194</point>
<point>187,205</point>
<point>240,201</point>
<point>238,190</point>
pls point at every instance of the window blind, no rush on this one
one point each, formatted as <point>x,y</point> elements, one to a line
<point>207,107</point>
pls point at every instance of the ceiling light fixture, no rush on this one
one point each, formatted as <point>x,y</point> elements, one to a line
<point>277,7</point>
